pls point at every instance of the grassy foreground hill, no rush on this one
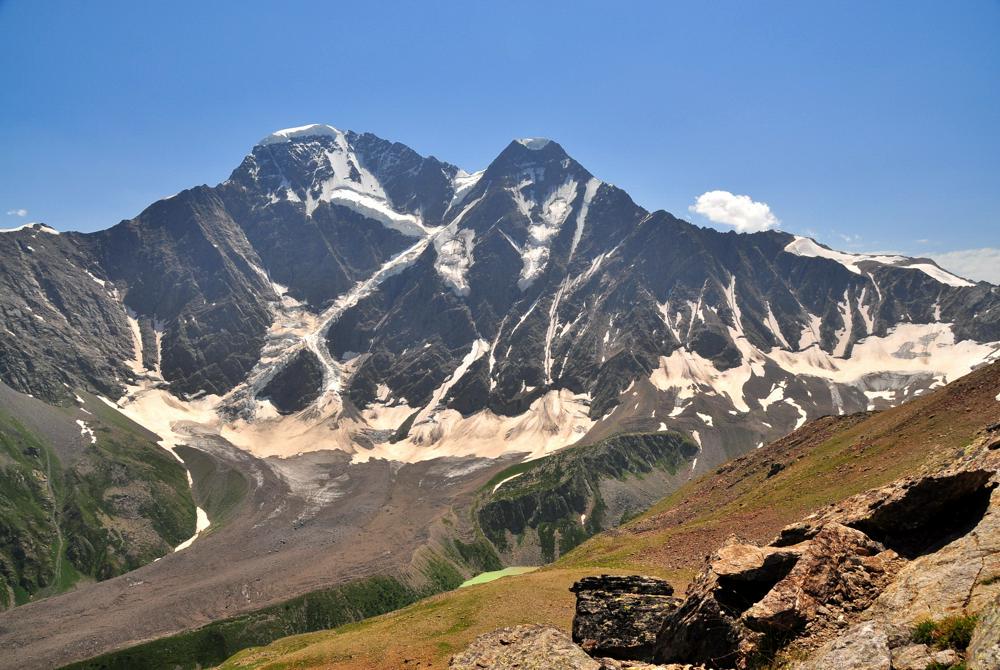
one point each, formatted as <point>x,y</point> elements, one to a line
<point>751,497</point>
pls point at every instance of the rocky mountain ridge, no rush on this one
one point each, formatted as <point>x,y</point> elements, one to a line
<point>436,310</point>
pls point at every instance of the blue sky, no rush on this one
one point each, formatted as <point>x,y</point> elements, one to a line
<point>869,125</point>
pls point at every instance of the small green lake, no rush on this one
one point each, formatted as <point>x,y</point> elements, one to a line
<point>484,577</point>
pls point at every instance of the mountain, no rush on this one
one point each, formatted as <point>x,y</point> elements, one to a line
<point>413,310</point>
<point>365,359</point>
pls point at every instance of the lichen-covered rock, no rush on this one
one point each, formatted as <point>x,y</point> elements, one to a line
<point>864,646</point>
<point>984,649</point>
<point>528,647</point>
<point>951,579</point>
<point>911,657</point>
<point>620,617</point>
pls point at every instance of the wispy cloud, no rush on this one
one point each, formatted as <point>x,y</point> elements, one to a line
<point>977,264</point>
<point>740,211</point>
<point>17,212</point>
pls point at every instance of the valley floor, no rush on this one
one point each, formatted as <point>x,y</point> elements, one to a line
<point>280,528</point>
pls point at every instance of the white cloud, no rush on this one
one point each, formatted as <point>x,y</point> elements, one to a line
<point>976,264</point>
<point>17,212</point>
<point>739,211</point>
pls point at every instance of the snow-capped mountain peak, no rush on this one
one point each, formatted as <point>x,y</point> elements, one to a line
<point>309,130</point>
<point>533,143</point>
<point>525,306</point>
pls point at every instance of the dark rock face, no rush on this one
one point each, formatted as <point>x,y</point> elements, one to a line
<point>620,617</point>
<point>61,320</point>
<point>295,386</point>
<point>186,263</point>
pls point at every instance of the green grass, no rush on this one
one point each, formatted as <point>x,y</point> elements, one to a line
<point>950,632</point>
<point>61,523</point>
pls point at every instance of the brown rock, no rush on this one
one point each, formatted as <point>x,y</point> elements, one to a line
<point>911,657</point>
<point>840,570</point>
<point>706,628</point>
<point>528,647</point>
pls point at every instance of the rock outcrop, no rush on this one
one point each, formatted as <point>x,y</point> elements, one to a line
<point>527,647</point>
<point>862,647</point>
<point>620,617</point>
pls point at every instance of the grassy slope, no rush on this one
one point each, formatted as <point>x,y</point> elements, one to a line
<point>119,504</point>
<point>825,461</point>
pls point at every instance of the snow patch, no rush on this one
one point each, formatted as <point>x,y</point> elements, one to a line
<point>35,226</point>
<point>289,134</point>
<point>804,246</point>
<point>504,481</point>
<point>86,431</point>
<point>534,143</point>
<point>461,184</point>
<point>542,230</point>
<point>454,257</point>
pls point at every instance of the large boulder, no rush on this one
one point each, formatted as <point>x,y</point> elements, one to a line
<point>620,617</point>
<point>841,571</point>
<point>528,647</point>
<point>707,628</point>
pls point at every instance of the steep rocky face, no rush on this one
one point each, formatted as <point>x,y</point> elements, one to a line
<point>62,317</point>
<point>188,271</point>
